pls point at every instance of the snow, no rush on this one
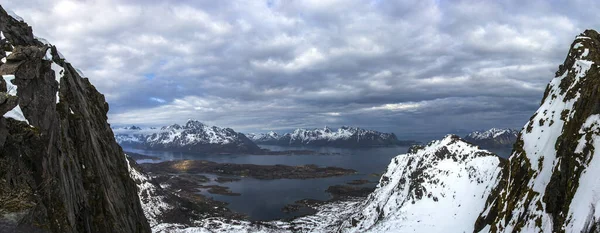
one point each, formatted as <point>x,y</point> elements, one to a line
<point>48,56</point>
<point>491,133</point>
<point>585,53</point>
<point>458,183</point>
<point>2,35</point>
<point>14,15</point>
<point>152,204</point>
<point>539,138</point>
<point>310,136</point>
<point>327,219</point>
<point>17,114</point>
<point>11,89</point>
<point>192,133</point>
<point>583,209</point>
<point>576,46</point>
<point>59,72</point>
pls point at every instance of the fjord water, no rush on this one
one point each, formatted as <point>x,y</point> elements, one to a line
<point>264,199</point>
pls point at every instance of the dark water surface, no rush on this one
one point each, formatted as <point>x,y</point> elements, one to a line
<point>264,199</point>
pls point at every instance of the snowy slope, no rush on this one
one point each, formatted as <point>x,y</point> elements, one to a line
<point>441,187</point>
<point>152,202</point>
<point>552,181</point>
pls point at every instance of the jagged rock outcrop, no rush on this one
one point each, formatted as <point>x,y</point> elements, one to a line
<point>551,181</point>
<point>60,168</point>
<point>493,138</point>
<point>342,137</point>
<point>440,187</point>
<point>193,136</point>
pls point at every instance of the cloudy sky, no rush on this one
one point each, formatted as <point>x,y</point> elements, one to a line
<point>411,67</point>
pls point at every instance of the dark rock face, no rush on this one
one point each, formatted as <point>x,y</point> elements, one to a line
<point>62,171</point>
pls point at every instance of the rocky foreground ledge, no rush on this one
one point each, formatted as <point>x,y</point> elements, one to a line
<point>264,172</point>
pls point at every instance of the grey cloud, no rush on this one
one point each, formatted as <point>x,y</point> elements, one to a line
<point>262,65</point>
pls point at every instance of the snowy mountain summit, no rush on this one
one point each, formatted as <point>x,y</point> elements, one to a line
<point>493,137</point>
<point>440,187</point>
<point>192,136</point>
<point>345,136</point>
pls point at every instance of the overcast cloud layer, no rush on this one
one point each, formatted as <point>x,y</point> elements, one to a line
<point>410,67</point>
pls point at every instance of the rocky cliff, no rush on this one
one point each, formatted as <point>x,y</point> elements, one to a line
<point>551,181</point>
<point>60,168</point>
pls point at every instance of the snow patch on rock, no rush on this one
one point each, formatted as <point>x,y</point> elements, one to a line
<point>11,89</point>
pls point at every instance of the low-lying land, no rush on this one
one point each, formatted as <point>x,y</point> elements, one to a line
<point>265,172</point>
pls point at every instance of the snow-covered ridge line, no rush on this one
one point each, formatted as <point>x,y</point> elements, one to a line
<point>343,136</point>
<point>491,133</point>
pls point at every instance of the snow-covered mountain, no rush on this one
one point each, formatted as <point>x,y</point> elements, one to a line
<point>551,183</point>
<point>342,137</point>
<point>493,137</point>
<point>192,136</point>
<point>441,187</point>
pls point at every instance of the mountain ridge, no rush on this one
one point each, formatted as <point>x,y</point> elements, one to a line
<point>193,136</point>
<point>344,136</point>
<point>493,138</point>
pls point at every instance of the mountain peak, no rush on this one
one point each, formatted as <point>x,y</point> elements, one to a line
<point>448,174</point>
<point>194,124</point>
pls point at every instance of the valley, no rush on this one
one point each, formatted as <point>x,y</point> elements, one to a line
<point>251,186</point>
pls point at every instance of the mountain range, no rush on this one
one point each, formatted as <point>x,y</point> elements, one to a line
<point>192,136</point>
<point>345,136</point>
